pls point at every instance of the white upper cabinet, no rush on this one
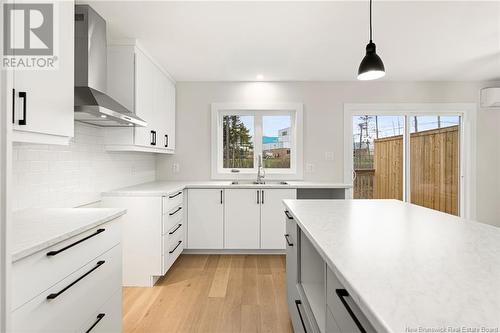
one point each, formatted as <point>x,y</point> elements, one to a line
<point>140,85</point>
<point>41,100</point>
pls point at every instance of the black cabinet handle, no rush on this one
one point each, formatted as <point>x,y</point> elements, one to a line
<point>153,138</point>
<point>13,106</point>
<point>297,303</point>
<point>173,196</point>
<point>98,319</point>
<point>342,293</point>
<point>221,197</point>
<point>258,197</point>
<point>173,231</point>
<point>175,212</point>
<point>166,140</point>
<point>262,196</point>
<point>288,215</point>
<point>55,295</point>
<point>53,253</point>
<point>288,240</point>
<point>179,243</point>
<point>22,94</point>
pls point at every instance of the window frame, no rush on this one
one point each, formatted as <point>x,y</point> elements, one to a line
<point>467,112</point>
<point>295,110</point>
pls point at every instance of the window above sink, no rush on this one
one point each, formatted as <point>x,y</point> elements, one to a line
<point>242,132</point>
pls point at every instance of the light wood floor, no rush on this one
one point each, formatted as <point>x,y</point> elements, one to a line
<point>212,293</point>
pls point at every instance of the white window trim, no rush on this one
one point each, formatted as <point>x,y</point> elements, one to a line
<point>296,109</point>
<point>468,113</point>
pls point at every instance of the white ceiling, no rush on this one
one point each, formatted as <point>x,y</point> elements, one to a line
<point>300,41</point>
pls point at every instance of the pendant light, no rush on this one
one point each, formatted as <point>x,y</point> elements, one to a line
<point>371,67</point>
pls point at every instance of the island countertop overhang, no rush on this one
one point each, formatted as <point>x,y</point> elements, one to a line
<point>407,266</point>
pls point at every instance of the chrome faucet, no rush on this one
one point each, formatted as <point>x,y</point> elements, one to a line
<point>261,173</point>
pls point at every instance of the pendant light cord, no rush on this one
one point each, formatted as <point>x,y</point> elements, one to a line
<point>370,21</point>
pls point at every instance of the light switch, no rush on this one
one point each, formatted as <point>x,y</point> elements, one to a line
<point>309,167</point>
<point>329,156</point>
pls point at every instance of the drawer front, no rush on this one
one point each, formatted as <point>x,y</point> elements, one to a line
<point>172,200</point>
<point>52,269</point>
<point>74,299</point>
<point>173,247</point>
<point>339,311</point>
<point>172,218</point>
<point>108,319</point>
<point>331,325</point>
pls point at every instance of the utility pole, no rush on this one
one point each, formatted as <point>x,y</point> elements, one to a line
<point>376,127</point>
<point>439,121</point>
<point>416,124</point>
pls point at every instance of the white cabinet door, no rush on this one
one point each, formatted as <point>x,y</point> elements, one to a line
<point>205,218</point>
<point>144,105</point>
<point>272,225</point>
<point>170,100</point>
<point>242,223</point>
<point>43,99</point>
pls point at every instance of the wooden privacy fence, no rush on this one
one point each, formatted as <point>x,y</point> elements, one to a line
<point>434,170</point>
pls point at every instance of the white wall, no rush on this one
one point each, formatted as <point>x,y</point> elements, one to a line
<point>323,125</point>
<point>74,175</point>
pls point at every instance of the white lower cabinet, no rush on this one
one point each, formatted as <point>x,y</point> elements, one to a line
<point>272,225</point>
<point>67,304</point>
<point>242,219</point>
<point>152,228</point>
<point>237,218</point>
<point>205,219</point>
<point>108,318</point>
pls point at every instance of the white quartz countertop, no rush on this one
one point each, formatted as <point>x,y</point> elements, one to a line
<point>168,187</point>
<point>38,229</point>
<point>408,267</point>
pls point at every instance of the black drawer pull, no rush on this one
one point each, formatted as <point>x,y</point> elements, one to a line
<point>98,319</point>
<point>22,94</point>
<point>173,231</point>
<point>153,138</point>
<point>288,240</point>
<point>13,106</point>
<point>53,253</point>
<point>173,196</point>
<point>262,196</point>
<point>258,200</point>
<point>297,303</point>
<point>55,295</point>
<point>175,212</point>
<point>175,248</point>
<point>341,293</point>
<point>290,217</point>
<point>166,140</point>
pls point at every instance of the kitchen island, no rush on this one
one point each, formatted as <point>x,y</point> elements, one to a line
<point>389,266</point>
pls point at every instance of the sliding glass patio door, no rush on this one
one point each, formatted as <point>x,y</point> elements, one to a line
<point>408,157</point>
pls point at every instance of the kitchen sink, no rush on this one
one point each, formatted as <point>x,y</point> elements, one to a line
<point>275,183</point>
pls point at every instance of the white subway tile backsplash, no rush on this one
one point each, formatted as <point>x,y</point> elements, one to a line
<point>77,174</point>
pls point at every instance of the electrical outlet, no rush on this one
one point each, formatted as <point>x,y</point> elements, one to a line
<point>310,168</point>
<point>329,156</point>
<point>175,167</point>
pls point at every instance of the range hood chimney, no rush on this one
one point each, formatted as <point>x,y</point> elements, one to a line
<point>92,104</point>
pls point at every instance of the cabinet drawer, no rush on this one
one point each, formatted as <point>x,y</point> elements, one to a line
<point>336,295</point>
<point>108,319</point>
<point>74,299</point>
<point>172,200</point>
<point>173,247</point>
<point>171,238</point>
<point>51,269</point>
<point>172,218</point>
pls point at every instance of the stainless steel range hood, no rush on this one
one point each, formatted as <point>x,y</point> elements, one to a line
<point>92,104</point>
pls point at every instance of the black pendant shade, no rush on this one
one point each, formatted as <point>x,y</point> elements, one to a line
<point>371,66</point>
